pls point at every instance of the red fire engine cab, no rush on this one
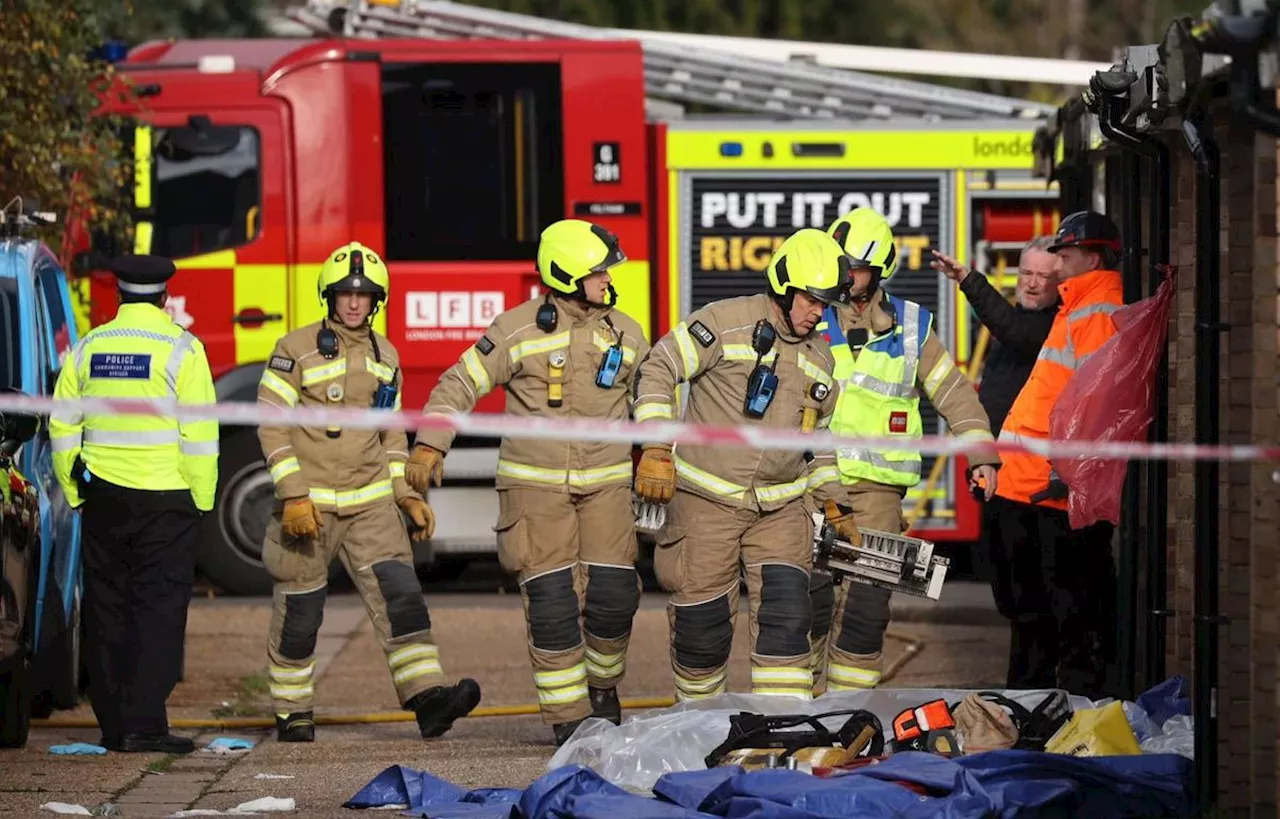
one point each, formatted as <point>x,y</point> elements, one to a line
<point>255,158</point>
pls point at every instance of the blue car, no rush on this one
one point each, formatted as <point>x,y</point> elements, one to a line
<point>40,578</point>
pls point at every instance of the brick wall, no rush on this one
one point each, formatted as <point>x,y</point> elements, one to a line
<point>1249,498</point>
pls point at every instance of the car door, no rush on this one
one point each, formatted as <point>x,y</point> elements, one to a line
<point>53,303</point>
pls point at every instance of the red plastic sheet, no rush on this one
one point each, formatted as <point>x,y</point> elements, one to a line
<point>1111,398</point>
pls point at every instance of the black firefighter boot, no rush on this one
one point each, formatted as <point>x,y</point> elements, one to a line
<point>299,727</point>
<point>437,708</point>
<point>605,705</point>
<point>564,730</point>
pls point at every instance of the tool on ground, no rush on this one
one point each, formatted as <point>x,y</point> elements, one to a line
<point>759,741</point>
<point>895,562</point>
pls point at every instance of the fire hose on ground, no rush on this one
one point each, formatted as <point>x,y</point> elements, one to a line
<point>914,646</point>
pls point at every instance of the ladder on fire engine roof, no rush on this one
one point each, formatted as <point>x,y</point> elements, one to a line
<point>681,73</point>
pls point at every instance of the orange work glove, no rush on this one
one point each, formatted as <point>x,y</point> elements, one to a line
<point>424,520</point>
<point>300,518</point>
<point>841,519</point>
<point>656,476</point>
<point>426,465</point>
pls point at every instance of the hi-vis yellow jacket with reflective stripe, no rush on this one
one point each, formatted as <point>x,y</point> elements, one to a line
<point>141,353</point>
<point>532,364</point>
<point>1083,324</point>
<point>711,350</point>
<point>357,469</point>
<point>878,392</point>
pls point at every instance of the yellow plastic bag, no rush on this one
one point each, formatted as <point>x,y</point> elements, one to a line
<point>1096,732</point>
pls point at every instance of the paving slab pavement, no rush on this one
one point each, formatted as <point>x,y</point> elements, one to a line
<point>481,636</point>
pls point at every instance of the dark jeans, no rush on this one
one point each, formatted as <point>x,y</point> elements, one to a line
<point>1057,587</point>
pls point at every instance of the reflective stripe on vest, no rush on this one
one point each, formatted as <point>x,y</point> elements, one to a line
<point>878,396</point>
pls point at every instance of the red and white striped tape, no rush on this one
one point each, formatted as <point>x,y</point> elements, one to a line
<point>500,425</point>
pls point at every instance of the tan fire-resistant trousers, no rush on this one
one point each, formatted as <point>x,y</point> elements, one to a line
<point>702,552</point>
<point>848,631</point>
<point>575,558</point>
<point>374,548</point>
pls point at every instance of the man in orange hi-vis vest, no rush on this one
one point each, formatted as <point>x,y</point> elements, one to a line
<point>1056,585</point>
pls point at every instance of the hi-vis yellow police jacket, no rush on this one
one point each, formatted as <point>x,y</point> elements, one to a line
<point>141,353</point>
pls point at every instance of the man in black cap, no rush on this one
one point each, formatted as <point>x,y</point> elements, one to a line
<point>141,483</point>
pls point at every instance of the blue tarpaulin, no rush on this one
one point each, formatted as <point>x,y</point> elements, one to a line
<point>1029,784</point>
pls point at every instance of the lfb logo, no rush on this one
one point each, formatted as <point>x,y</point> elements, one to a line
<point>452,310</point>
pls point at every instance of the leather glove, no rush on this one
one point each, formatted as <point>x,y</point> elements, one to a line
<point>424,520</point>
<point>426,465</point>
<point>1057,489</point>
<point>656,476</point>
<point>841,519</point>
<point>300,518</point>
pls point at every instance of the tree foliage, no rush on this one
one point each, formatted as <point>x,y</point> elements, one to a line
<point>53,150</point>
<point>162,19</point>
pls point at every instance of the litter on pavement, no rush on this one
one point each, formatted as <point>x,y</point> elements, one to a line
<point>1038,751</point>
<point>267,804</point>
<point>77,749</point>
<point>66,808</point>
<point>229,745</point>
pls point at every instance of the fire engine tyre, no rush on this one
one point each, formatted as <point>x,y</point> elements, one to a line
<point>231,535</point>
<point>15,705</point>
<point>16,682</point>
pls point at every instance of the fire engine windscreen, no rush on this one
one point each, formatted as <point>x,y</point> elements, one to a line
<point>1111,398</point>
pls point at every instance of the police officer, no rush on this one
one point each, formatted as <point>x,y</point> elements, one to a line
<point>565,522</point>
<point>141,483</point>
<point>886,353</point>
<point>755,360</point>
<point>337,492</point>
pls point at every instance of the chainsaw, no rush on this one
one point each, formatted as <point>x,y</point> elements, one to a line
<point>650,516</point>
<point>895,562</point>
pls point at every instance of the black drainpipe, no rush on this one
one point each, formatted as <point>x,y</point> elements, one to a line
<point>1197,130</point>
<point>1133,533</point>
<point>1158,471</point>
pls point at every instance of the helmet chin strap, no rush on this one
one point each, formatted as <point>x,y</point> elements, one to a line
<point>784,304</point>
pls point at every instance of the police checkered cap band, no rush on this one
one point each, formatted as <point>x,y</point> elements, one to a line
<point>141,289</point>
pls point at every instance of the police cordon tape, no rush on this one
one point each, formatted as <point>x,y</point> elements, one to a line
<point>502,425</point>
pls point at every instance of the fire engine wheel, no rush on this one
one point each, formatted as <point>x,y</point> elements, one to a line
<point>231,541</point>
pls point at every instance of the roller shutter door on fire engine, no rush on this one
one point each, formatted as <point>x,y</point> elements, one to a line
<point>735,224</point>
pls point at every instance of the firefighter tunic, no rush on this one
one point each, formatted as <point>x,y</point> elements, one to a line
<point>740,508</point>
<point>354,477</point>
<point>880,396</point>
<point>565,513</point>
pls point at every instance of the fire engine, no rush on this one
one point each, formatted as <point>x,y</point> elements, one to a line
<point>449,140</point>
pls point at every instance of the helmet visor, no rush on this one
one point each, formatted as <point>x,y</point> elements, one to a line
<point>613,255</point>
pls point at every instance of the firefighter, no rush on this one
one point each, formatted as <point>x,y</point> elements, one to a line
<point>565,524</point>
<point>887,353</point>
<point>1057,584</point>
<point>754,360</point>
<point>141,483</point>
<point>337,494</point>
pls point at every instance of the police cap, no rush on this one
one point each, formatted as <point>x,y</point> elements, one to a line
<point>142,275</point>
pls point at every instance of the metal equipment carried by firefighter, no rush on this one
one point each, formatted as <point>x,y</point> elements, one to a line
<point>897,562</point>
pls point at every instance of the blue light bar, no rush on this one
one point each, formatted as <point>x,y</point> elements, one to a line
<point>730,149</point>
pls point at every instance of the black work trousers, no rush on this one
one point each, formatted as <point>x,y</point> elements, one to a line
<point>1057,587</point>
<point>139,565</point>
